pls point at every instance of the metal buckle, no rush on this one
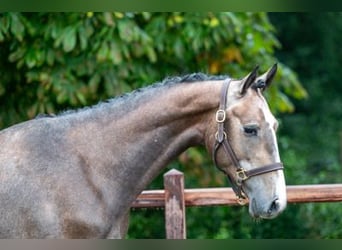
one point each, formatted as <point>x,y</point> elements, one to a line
<point>241,200</point>
<point>241,174</point>
<point>224,136</point>
<point>220,113</point>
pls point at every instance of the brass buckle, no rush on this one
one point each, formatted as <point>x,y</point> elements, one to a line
<point>220,116</point>
<point>241,174</point>
<point>241,200</point>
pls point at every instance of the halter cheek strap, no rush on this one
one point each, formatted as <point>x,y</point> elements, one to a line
<point>222,140</point>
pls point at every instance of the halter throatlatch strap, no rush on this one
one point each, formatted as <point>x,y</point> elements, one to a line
<point>222,140</point>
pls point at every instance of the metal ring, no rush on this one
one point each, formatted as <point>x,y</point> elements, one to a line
<point>219,113</point>
<point>241,175</point>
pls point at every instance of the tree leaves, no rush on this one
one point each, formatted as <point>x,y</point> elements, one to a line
<point>16,26</point>
<point>67,38</point>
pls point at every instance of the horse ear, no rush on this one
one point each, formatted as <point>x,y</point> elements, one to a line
<point>265,80</point>
<point>248,81</point>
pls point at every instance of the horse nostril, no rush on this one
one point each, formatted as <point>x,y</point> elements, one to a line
<point>274,207</point>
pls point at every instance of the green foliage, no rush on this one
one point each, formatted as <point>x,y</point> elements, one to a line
<point>310,139</point>
<point>317,122</point>
<point>55,61</point>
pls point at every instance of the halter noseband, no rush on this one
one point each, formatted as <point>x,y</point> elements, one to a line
<point>222,140</point>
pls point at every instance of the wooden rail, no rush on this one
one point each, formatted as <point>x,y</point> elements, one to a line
<point>174,198</point>
<point>226,196</point>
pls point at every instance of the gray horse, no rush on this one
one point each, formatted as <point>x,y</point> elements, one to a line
<point>75,175</point>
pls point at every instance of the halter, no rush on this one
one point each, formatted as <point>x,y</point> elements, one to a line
<point>222,140</point>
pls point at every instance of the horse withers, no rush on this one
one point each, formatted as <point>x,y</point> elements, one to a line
<point>75,175</point>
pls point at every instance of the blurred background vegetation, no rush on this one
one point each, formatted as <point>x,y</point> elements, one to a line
<point>56,61</point>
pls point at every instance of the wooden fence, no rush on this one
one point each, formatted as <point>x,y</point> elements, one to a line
<point>174,198</point>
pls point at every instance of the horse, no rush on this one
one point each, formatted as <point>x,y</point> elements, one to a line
<point>76,174</point>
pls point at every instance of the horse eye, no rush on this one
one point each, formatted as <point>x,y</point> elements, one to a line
<point>250,131</point>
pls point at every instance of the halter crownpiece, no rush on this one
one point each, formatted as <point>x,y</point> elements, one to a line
<point>221,139</point>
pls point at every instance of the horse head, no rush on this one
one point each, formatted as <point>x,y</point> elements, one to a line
<point>245,145</point>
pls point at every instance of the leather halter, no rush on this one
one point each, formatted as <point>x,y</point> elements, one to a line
<point>222,140</point>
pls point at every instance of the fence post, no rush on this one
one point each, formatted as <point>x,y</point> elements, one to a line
<point>175,224</point>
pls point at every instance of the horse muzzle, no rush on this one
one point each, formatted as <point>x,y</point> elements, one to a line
<point>267,209</point>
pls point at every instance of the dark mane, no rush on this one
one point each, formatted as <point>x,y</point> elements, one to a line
<point>167,82</point>
<point>170,81</point>
<point>195,77</point>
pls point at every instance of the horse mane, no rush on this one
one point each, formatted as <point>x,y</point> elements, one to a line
<point>171,81</point>
<point>194,77</point>
<point>165,83</point>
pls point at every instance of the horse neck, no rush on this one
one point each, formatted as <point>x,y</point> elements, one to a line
<point>163,122</point>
